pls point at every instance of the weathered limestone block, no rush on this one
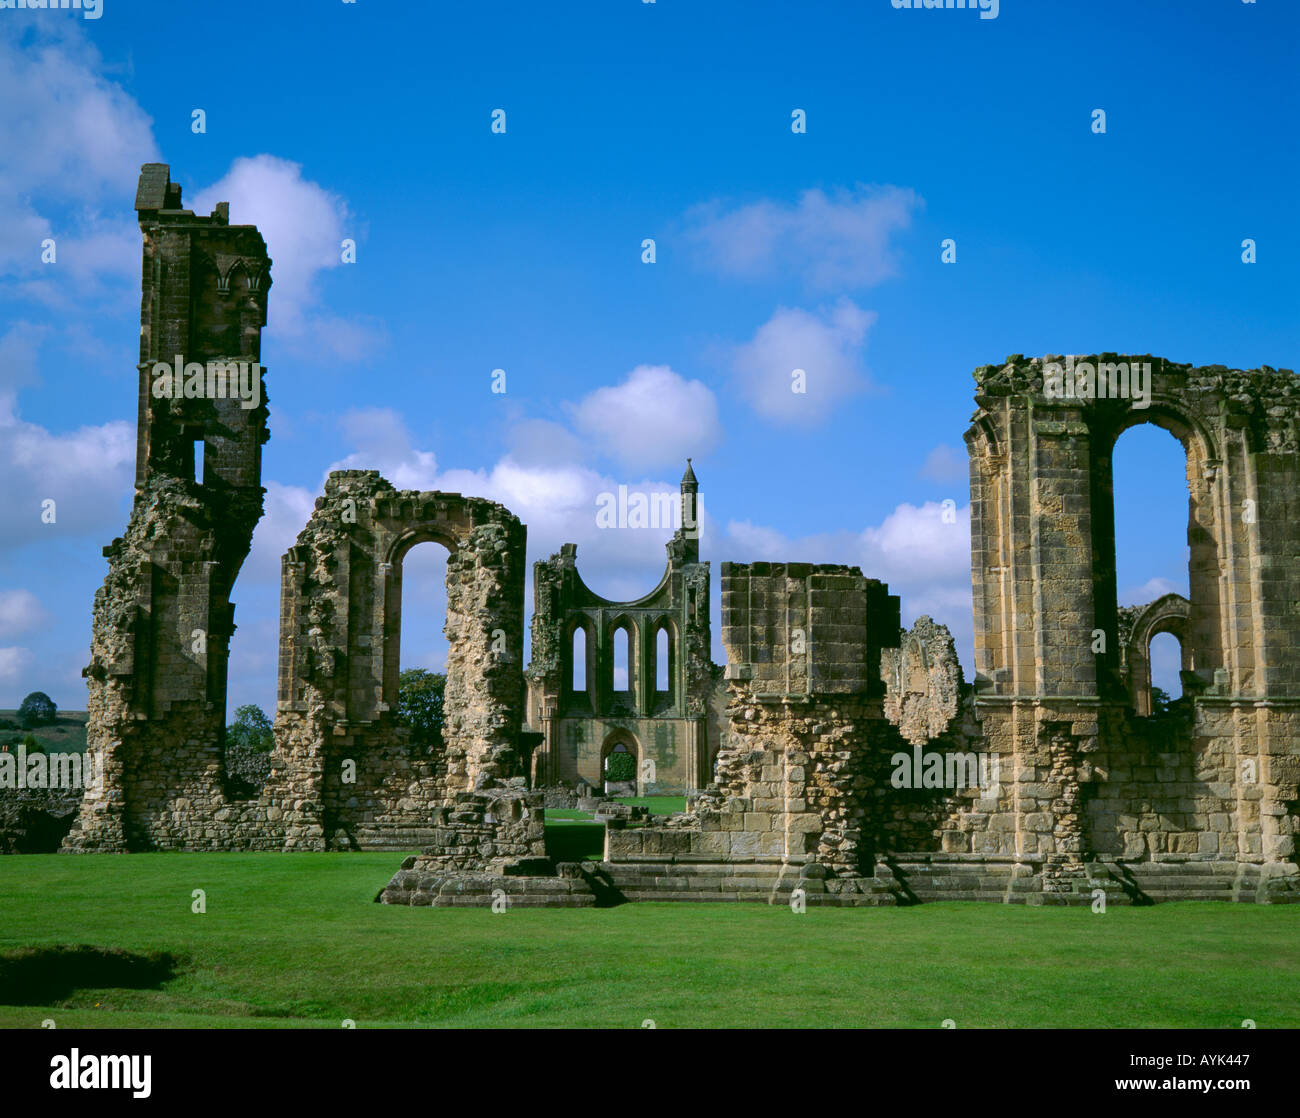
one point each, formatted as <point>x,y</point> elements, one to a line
<point>922,681</point>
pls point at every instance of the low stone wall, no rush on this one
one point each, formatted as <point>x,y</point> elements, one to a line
<point>35,820</point>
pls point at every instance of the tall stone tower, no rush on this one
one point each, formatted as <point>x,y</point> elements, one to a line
<point>163,619</point>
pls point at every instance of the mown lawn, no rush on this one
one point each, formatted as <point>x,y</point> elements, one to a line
<point>295,940</point>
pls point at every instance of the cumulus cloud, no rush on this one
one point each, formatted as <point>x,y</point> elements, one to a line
<point>20,612</point>
<point>303,225</point>
<point>653,418</point>
<point>542,442</point>
<point>82,139</point>
<point>1152,589</point>
<point>920,543</point>
<point>921,551</point>
<point>826,345</point>
<point>287,508</point>
<point>13,662</point>
<point>946,463</point>
<point>86,472</point>
<point>832,240</point>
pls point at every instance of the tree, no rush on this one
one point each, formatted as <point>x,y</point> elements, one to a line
<point>251,730</point>
<point>1160,701</point>
<point>420,696</point>
<point>37,709</point>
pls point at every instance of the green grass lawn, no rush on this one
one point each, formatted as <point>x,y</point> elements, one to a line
<point>296,940</point>
<point>571,836</point>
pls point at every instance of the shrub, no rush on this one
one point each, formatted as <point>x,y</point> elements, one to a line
<point>620,767</point>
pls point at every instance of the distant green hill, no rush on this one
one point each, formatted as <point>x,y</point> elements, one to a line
<point>67,735</point>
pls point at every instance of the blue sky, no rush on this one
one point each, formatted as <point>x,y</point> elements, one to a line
<point>522,251</point>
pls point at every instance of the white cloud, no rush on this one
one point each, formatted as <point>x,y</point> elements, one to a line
<point>946,463</point>
<point>383,443</point>
<point>19,355</point>
<point>303,225</point>
<point>653,418</point>
<point>756,543</point>
<point>20,612</point>
<point>542,442</point>
<point>922,552</point>
<point>826,345</point>
<point>13,661</point>
<point>81,140</point>
<point>1150,590</point>
<point>87,472</point>
<point>919,544</point>
<point>832,241</point>
<point>287,508</point>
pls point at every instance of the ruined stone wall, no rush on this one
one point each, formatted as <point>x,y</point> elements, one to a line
<point>337,732</point>
<point>163,619</point>
<point>803,712</point>
<point>1087,779</point>
<point>344,773</point>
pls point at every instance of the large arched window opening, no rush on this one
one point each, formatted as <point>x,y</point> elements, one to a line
<point>1165,654</point>
<point>578,659</point>
<point>619,761</point>
<point>420,618</point>
<point>1152,515</point>
<point>622,658</point>
<point>665,665</point>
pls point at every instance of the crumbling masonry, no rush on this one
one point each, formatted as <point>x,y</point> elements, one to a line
<point>344,773</point>
<point>838,759</point>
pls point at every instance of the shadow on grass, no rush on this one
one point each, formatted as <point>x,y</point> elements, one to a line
<point>45,975</point>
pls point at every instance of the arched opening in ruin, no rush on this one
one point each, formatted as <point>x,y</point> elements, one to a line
<point>619,761</point>
<point>1155,550</point>
<point>578,659</point>
<point>1151,504</point>
<point>665,665</point>
<point>622,666</point>
<point>416,623</point>
<point>1165,655</point>
<point>578,665</point>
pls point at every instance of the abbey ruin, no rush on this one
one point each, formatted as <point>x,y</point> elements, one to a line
<point>837,758</point>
